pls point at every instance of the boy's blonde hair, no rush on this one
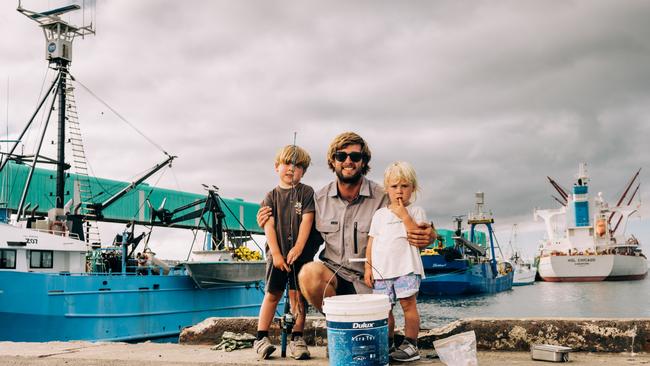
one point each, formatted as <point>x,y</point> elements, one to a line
<point>401,170</point>
<point>292,154</point>
<point>344,140</point>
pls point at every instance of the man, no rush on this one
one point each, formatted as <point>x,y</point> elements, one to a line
<point>344,210</point>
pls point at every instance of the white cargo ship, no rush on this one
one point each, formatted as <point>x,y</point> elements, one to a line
<point>591,245</point>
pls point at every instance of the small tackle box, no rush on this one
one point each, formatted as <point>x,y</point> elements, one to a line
<point>549,352</point>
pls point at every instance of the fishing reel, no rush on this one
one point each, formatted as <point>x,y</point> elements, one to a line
<point>287,322</point>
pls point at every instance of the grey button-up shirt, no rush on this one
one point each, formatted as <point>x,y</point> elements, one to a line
<point>345,225</point>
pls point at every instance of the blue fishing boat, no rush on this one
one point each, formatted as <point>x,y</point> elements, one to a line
<point>57,282</point>
<point>466,267</point>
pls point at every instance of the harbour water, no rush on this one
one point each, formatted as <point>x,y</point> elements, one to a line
<point>625,299</point>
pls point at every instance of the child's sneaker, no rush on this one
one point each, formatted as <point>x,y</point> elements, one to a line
<point>405,352</point>
<point>298,349</point>
<point>263,347</point>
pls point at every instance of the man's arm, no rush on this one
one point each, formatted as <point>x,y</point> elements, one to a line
<point>263,214</point>
<point>303,235</point>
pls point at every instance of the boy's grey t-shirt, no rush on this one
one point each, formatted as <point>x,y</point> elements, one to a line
<point>288,206</point>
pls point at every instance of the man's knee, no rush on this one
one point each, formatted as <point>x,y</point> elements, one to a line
<point>309,274</point>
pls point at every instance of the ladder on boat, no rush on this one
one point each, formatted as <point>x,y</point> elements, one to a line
<point>82,184</point>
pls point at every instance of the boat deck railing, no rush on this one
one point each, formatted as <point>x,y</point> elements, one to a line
<point>64,233</point>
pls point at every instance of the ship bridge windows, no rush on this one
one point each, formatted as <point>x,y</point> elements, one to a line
<point>40,259</point>
<point>7,259</point>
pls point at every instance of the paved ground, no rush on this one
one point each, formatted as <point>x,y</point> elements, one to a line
<point>150,354</point>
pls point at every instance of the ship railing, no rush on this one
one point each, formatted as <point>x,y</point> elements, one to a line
<point>64,233</point>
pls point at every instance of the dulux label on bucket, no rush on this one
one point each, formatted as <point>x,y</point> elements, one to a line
<point>358,343</point>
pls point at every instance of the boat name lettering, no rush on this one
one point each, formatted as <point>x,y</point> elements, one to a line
<point>579,260</point>
<point>33,240</point>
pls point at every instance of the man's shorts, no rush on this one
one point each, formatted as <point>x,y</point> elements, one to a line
<point>398,287</point>
<point>276,280</point>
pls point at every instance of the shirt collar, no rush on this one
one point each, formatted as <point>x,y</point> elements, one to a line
<point>364,191</point>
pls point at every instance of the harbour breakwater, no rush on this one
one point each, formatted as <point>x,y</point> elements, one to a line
<point>492,334</point>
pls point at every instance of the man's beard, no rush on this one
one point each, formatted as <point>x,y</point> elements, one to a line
<point>349,179</point>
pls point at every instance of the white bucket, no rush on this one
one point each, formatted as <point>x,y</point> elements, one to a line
<point>357,329</point>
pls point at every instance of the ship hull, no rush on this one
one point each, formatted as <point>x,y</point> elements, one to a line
<point>208,275</point>
<point>523,276</point>
<point>474,279</point>
<point>40,307</point>
<point>592,268</point>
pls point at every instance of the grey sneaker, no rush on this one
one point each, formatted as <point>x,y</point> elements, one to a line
<point>298,349</point>
<point>264,348</point>
<point>405,352</point>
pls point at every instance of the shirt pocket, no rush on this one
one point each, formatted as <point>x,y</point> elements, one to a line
<point>330,230</point>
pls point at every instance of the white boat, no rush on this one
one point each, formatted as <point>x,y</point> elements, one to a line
<point>524,271</point>
<point>592,245</point>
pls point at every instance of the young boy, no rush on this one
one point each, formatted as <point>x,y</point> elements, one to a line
<point>290,244</point>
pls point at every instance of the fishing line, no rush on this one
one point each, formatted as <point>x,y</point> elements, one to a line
<point>350,260</point>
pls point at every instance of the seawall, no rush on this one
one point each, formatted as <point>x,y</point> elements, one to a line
<point>492,334</point>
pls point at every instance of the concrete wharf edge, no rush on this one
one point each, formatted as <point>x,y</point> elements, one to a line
<point>506,334</point>
<point>158,354</point>
<point>492,334</point>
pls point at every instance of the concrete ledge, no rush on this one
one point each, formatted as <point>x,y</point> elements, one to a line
<point>585,335</point>
<point>209,331</point>
<point>493,334</point>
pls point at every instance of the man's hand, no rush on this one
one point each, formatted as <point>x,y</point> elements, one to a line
<point>423,236</point>
<point>367,276</point>
<point>279,263</point>
<point>263,215</point>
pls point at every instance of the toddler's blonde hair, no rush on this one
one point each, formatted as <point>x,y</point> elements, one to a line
<point>401,170</point>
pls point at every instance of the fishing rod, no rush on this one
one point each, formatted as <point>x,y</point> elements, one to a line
<point>287,321</point>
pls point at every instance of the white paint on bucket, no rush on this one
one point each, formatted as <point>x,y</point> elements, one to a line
<point>357,329</point>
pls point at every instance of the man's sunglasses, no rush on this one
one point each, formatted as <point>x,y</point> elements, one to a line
<point>355,156</point>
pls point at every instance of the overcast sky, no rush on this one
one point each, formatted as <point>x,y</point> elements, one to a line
<point>490,96</point>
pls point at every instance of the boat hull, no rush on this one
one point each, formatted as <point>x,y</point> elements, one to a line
<point>40,307</point>
<point>592,268</point>
<point>477,279</point>
<point>208,275</point>
<point>523,276</point>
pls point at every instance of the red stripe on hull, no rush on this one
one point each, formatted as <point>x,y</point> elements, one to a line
<point>574,279</point>
<point>595,279</point>
<point>627,278</point>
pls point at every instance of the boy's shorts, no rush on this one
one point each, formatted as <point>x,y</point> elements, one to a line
<point>276,280</point>
<point>399,287</point>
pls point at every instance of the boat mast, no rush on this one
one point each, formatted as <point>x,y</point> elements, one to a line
<point>62,65</point>
<point>58,50</point>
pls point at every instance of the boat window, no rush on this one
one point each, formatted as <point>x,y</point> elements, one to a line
<point>40,259</point>
<point>7,259</point>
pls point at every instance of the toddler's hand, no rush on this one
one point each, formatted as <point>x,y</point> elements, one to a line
<point>398,209</point>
